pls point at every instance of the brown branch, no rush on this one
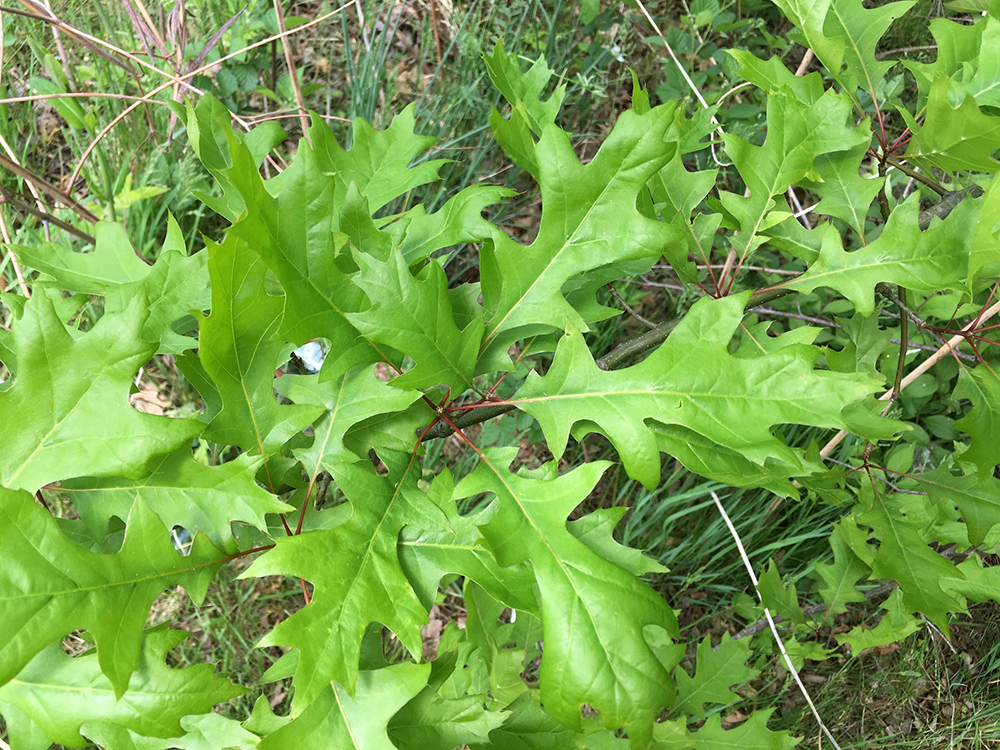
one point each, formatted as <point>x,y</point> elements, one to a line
<point>47,188</point>
<point>27,208</point>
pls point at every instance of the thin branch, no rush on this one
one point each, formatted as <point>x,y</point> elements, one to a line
<point>290,64</point>
<point>27,208</point>
<point>47,188</point>
<point>629,310</point>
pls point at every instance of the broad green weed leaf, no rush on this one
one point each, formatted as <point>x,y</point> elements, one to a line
<point>693,381</point>
<point>981,386</point>
<point>71,398</point>
<point>412,314</point>
<point>716,671</point>
<point>60,693</point>
<point>353,720</point>
<point>589,220</point>
<point>922,261</point>
<point>797,133</point>
<point>984,251</point>
<point>182,493</point>
<point>593,612</point>
<point>353,397</point>
<point>51,586</point>
<point>239,352</point>
<point>357,578</point>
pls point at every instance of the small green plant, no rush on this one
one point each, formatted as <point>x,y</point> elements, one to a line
<point>326,477</point>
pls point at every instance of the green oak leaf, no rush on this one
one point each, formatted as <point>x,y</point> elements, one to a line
<point>977,499</point>
<point>174,285</point>
<point>182,493</point>
<point>981,386</point>
<point>71,400</point>
<point>693,381</point>
<point>594,613</point>
<point>844,193</point>
<point>895,625</point>
<point>596,530</point>
<point>418,234</point>
<point>452,543</point>
<point>60,693</point>
<point>964,56</point>
<point>50,586</point>
<point>797,133</point>
<point>752,734</point>
<point>809,16</point>
<point>771,75</point>
<point>239,352</point>
<point>338,718</point>
<point>356,574</point>
<point>984,252</point>
<point>842,575</point>
<point>716,670</point>
<point>676,193</point>
<point>777,598</point>
<point>504,71</point>
<point>905,557</point>
<point>348,399</point>
<point>954,139</point>
<point>530,727</point>
<point>922,261</point>
<point>378,161</point>
<point>413,315</point>
<point>861,29</point>
<point>589,220</point>
<point>432,722</point>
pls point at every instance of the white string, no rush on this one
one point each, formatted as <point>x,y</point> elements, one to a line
<point>774,628</point>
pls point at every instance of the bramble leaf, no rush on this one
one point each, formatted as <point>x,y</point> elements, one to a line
<point>51,586</point>
<point>71,398</point>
